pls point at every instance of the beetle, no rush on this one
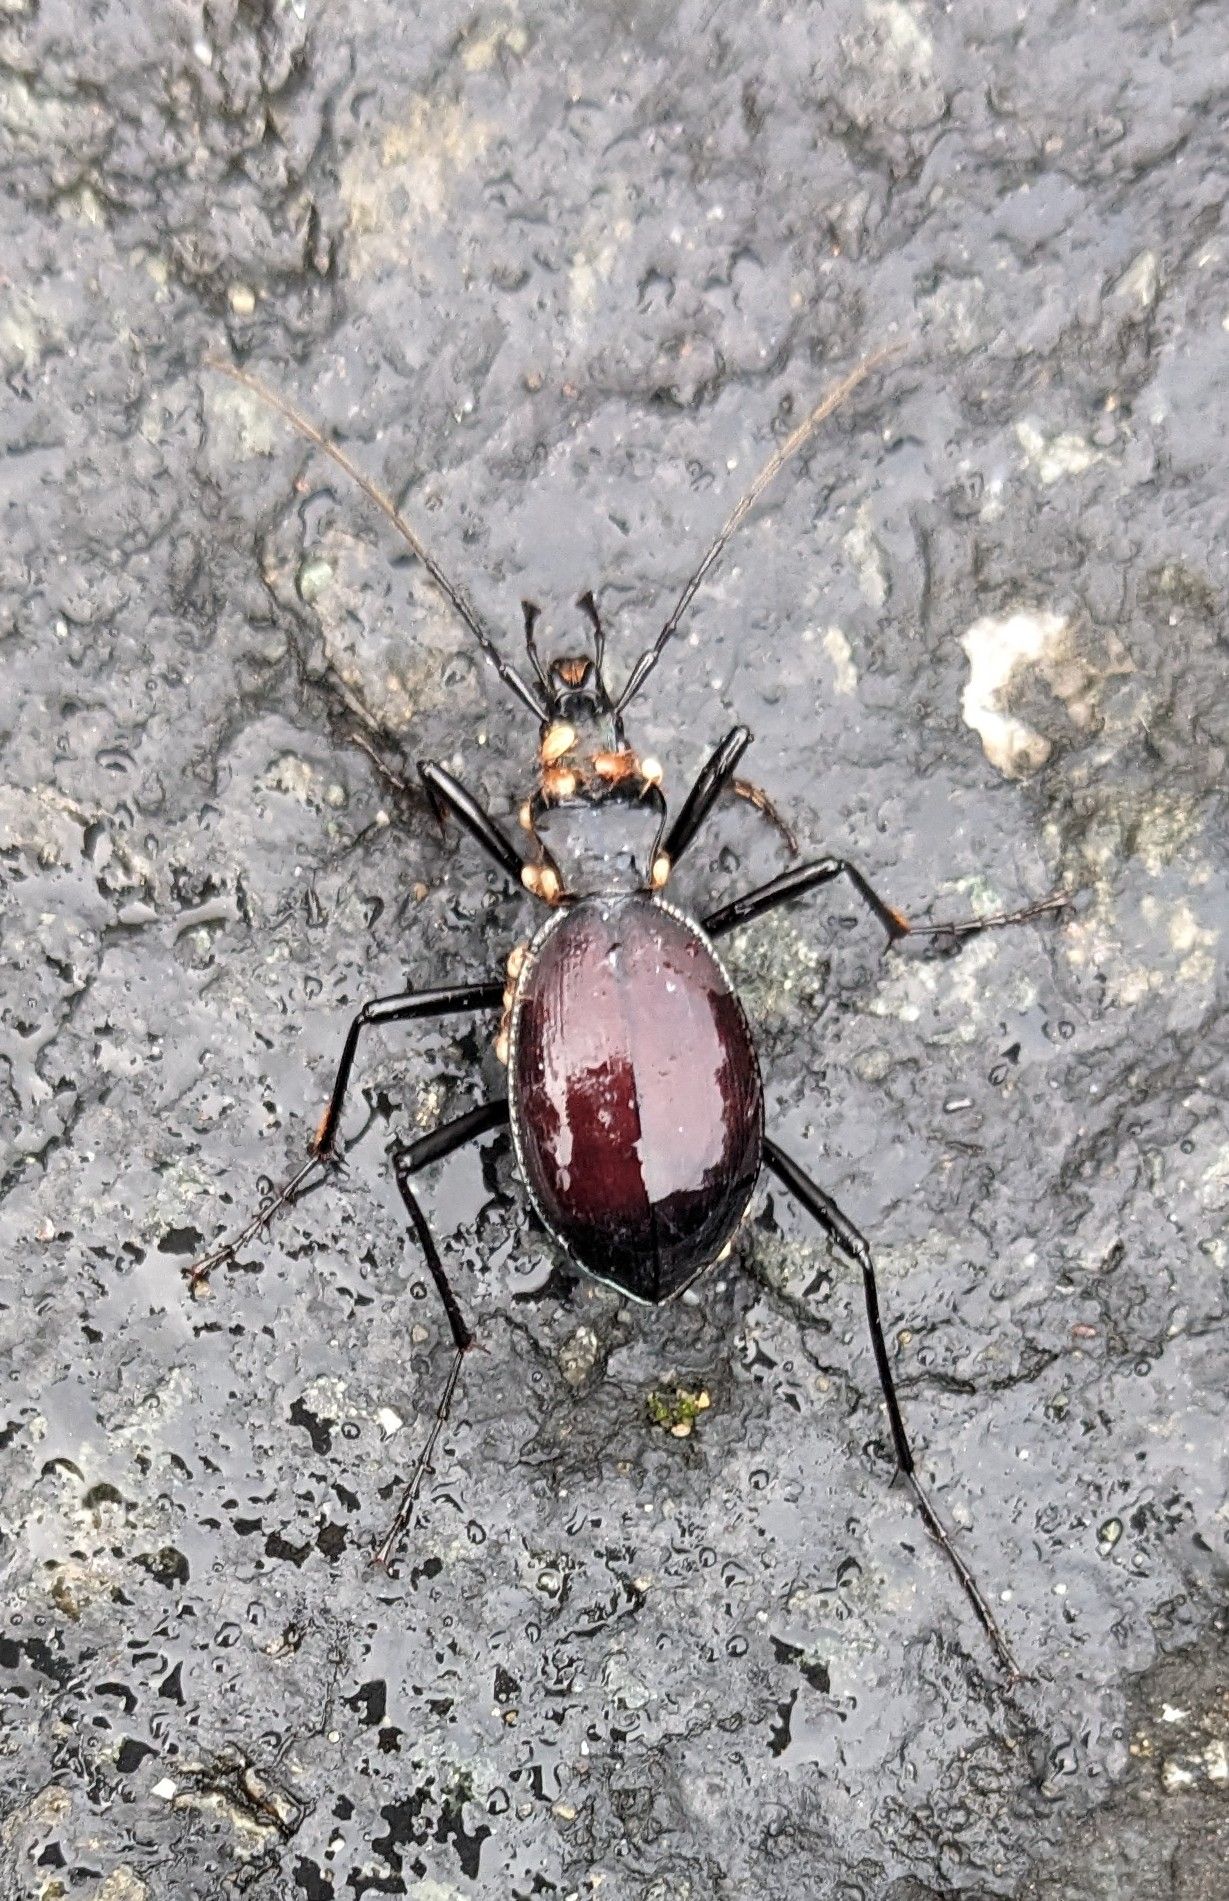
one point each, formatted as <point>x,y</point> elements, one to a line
<point>635,1104</point>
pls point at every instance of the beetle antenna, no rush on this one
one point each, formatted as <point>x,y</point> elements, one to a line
<point>785,451</point>
<point>456,597</point>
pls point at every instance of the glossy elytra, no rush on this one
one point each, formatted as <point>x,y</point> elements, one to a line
<point>634,1102</point>
<point>634,1092</point>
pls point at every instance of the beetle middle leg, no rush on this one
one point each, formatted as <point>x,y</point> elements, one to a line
<point>844,1236</point>
<point>803,878</point>
<point>408,1158</point>
<point>404,1007</point>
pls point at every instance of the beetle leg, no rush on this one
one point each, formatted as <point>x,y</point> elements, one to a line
<point>407,1160</point>
<point>448,794</point>
<point>711,783</point>
<point>714,778</point>
<point>803,878</point>
<point>755,795</point>
<point>845,1237</point>
<point>401,1008</point>
<point>404,1007</point>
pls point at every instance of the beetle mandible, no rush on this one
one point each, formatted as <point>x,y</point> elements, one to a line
<point>634,1103</point>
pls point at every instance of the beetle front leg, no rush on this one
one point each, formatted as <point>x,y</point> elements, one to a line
<point>404,1007</point>
<point>714,778</point>
<point>449,795</point>
<point>804,878</point>
<point>407,1160</point>
<point>845,1237</point>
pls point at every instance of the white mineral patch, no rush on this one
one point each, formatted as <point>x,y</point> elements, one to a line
<point>314,576</point>
<point>43,823</point>
<point>481,52</point>
<point>248,427</point>
<point>290,775</point>
<point>1053,457</point>
<point>911,987</point>
<point>910,47</point>
<point>604,238</point>
<point>840,654</point>
<point>1140,281</point>
<point>867,557</point>
<point>996,648</point>
<point>26,332</point>
<point>1192,943</point>
<point>122,1884</point>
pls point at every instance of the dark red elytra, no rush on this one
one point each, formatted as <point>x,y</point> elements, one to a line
<point>634,1093</point>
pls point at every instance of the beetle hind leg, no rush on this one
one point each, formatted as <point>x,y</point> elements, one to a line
<point>844,1236</point>
<point>408,1159</point>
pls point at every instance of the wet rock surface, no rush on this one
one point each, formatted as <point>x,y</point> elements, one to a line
<point>558,276</point>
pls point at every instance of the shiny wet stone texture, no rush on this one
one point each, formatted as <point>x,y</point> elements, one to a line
<point>559,276</point>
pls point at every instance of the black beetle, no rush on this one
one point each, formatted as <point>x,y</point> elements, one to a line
<point>634,1098</point>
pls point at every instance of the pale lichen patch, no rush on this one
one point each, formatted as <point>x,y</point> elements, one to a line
<point>867,558</point>
<point>839,652</point>
<point>997,647</point>
<point>956,990</point>
<point>902,39</point>
<point>246,425</point>
<point>484,46</point>
<point>1140,282</point>
<point>1053,457</point>
<point>406,180</point>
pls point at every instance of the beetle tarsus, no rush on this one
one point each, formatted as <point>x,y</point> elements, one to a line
<point>1054,905</point>
<point>756,796</point>
<point>403,1517</point>
<point>801,879</point>
<point>198,1272</point>
<point>402,786</point>
<point>985,1616</point>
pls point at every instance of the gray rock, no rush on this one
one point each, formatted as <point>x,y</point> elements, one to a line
<point>557,277</point>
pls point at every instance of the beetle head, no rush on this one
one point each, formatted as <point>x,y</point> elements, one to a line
<point>574,686</point>
<point>598,811</point>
